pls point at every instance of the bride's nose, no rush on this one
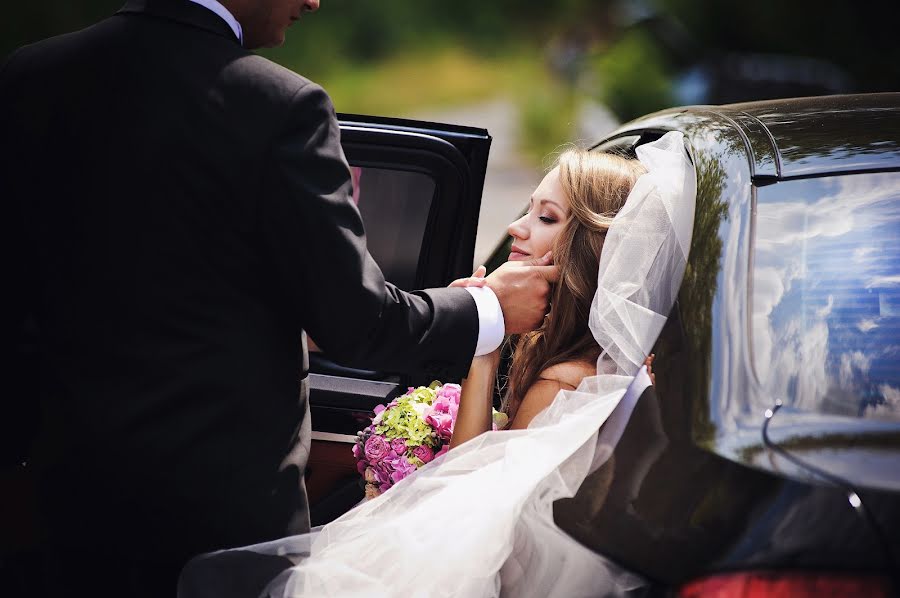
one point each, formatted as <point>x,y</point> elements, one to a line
<point>518,228</point>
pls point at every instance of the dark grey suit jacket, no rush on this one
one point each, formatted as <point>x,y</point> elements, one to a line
<point>177,210</point>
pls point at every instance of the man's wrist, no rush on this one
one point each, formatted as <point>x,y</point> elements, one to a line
<point>490,320</point>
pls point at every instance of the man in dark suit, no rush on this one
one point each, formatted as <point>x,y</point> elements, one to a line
<point>178,211</point>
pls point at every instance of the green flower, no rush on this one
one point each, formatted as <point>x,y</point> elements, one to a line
<point>404,418</point>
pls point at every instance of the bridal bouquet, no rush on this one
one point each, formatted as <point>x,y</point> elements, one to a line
<point>409,432</point>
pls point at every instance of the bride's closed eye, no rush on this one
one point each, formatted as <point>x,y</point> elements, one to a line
<point>548,219</point>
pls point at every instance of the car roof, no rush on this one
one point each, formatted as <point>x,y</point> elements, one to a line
<point>801,137</point>
<point>822,135</point>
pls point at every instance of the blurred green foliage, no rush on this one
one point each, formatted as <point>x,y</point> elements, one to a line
<point>25,21</point>
<point>395,58</point>
<point>632,75</point>
<point>548,114</point>
<point>342,30</point>
<point>860,39</point>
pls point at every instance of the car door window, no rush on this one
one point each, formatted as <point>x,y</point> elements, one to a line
<point>394,205</point>
<point>417,189</point>
<point>417,186</point>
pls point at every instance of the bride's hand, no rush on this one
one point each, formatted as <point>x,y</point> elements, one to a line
<point>649,363</point>
<point>476,280</point>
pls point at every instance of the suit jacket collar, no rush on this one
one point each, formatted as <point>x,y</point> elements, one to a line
<point>180,11</point>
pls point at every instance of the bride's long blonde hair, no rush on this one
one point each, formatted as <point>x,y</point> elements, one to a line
<point>596,185</point>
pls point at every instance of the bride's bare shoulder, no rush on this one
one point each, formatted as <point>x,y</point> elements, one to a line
<point>562,376</point>
<point>569,374</point>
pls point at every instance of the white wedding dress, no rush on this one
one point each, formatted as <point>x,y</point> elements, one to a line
<point>479,521</point>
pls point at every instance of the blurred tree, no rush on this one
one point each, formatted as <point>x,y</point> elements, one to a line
<point>633,77</point>
<point>640,54</point>
<point>350,30</point>
<point>28,22</point>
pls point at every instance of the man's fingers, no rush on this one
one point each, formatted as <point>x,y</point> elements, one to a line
<point>480,272</point>
<point>544,260</point>
<point>548,273</point>
<point>472,281</point>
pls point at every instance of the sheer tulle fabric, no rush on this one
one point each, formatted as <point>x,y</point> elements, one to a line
<point>479,520</point>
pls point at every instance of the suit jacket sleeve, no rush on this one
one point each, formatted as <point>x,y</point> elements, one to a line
<point>315,236</point>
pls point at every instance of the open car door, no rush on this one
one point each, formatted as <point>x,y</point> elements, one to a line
<point>418,187</point>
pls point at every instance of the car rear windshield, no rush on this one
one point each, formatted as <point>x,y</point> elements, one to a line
<point>826,294</point>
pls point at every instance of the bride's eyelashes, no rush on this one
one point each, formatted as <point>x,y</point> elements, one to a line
<point>545,219</point>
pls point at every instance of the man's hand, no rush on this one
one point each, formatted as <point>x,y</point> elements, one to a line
<point>523,289</point>
<point>476,280</point>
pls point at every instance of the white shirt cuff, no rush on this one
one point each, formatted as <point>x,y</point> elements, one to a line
<point>490,320</point>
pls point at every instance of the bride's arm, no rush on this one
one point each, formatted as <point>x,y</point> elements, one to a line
<point>475,402</point>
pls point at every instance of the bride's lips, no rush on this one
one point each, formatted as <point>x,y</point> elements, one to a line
<point>517,254</point>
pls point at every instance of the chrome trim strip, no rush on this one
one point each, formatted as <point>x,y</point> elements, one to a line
<point>331,437</point>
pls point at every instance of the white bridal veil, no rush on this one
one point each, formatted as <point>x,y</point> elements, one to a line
<point>479,521</point>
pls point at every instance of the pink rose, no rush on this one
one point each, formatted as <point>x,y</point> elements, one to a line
<point>378,409</point>
<point>443,450</point>
<point>376,448</point>
<point>423,453</point>
<point>442,424</point>
<point>451,392</point>
<point>398,445</point>
<point>361,467</point>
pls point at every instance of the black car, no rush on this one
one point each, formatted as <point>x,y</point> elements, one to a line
<point>767,462</point>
